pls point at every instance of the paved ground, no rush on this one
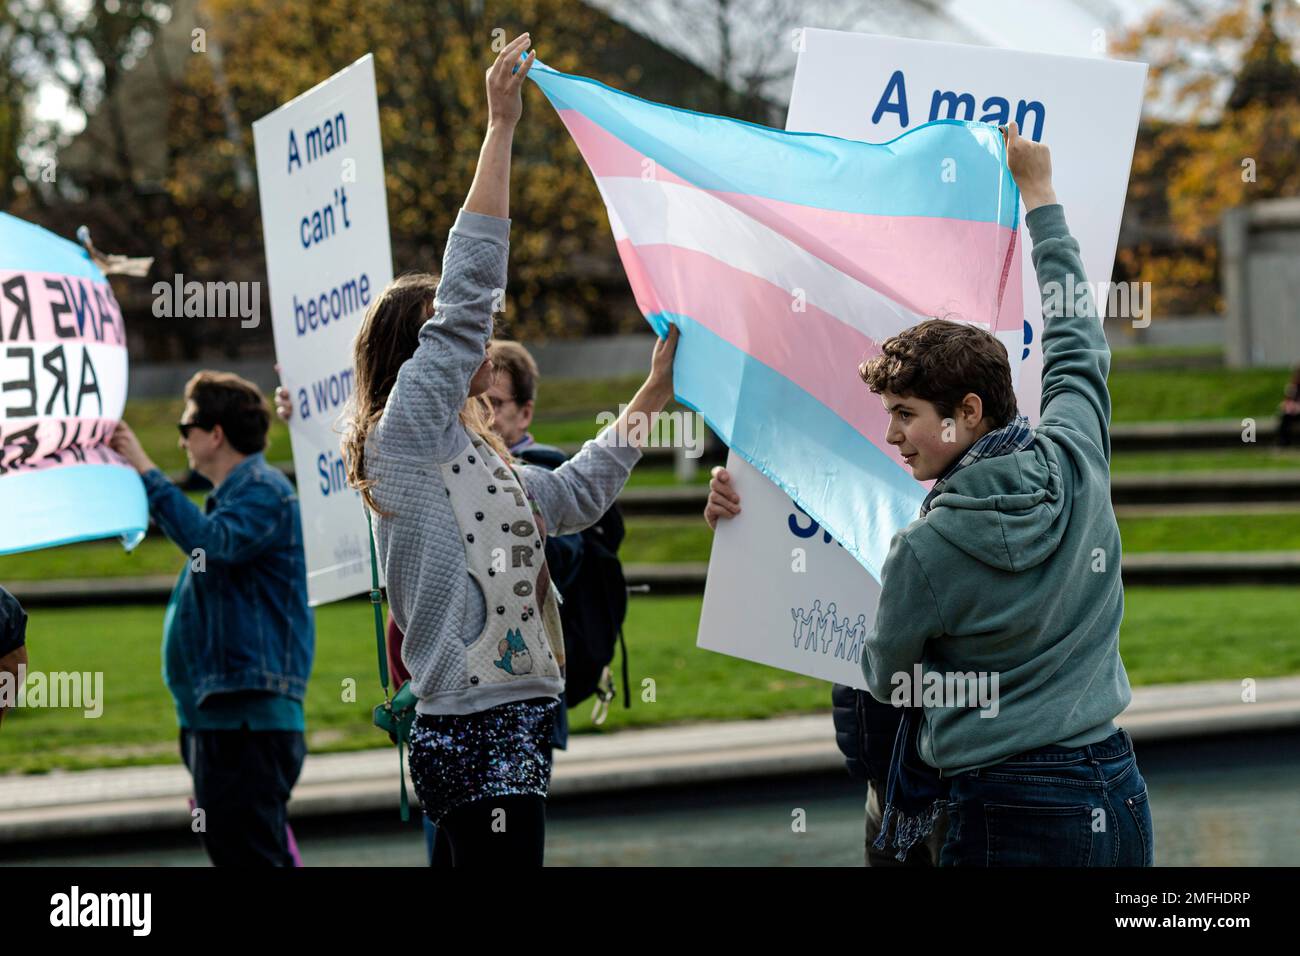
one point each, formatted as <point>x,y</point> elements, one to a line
<point>146,798</point>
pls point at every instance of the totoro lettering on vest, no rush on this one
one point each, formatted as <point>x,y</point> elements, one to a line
<point>521,555</point>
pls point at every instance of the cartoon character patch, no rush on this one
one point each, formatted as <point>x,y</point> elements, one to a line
<point>515,657</point>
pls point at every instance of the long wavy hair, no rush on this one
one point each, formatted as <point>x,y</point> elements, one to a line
<point>389,335</point>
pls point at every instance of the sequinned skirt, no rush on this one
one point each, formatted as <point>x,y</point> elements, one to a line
<point>459,758</point>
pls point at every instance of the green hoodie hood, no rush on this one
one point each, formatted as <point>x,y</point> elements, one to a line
<point>1009,512</point>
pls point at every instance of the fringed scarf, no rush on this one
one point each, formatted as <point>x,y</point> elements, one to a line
<point>915,793</point>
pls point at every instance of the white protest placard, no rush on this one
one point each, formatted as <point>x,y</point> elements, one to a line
<point>874,88</point>
<point>320,172</point>
<point>781,591</point>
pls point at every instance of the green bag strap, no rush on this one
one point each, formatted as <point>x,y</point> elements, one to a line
<point>377,602</point>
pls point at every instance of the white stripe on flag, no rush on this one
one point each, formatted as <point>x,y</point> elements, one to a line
<point>652,212</point>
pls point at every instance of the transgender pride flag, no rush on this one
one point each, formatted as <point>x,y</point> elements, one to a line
<point>785,259</point>
<point>63,365</point>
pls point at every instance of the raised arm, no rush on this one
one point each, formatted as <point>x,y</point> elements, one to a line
<point>489,193</point>
<point>575,495</point>
<point>224,535</point>
<point>1076,357</point>
<point>432,385</point>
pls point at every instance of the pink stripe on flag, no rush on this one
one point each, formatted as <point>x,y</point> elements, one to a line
<point>797,345</point>
<point>50,435</point>
<point>94,455</point>
<point>54,308</point>
<point>910,250</point>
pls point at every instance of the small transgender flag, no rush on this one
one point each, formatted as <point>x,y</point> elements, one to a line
<point>785,259</point>
<point>64,369</point>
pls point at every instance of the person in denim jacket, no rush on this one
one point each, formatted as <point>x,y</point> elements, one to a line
<point>238,635</point>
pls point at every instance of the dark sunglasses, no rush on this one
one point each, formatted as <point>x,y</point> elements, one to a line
<point>184,428</point>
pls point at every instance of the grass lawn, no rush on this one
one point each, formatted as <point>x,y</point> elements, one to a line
<point>1127,356</point>
<point>1152,395</point>
<point>689,539</point>
<point>684,538</point>
<point>1169,635</point>
<point>1247,457</point>
<point>1240,532</point>
<point>568,407</point>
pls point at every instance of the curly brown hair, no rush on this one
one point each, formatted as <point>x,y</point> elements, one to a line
<point>941,362</point>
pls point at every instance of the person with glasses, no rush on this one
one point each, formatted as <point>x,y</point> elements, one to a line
<point>238,634</point>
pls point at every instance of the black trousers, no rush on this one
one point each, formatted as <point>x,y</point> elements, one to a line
<point>1288,430</point>
<point>242,782</point>
<point>505,831</point>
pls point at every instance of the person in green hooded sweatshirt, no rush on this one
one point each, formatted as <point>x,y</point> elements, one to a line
<point>1000,607</point>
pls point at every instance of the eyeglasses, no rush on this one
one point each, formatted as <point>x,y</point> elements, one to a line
<point>184,428</point>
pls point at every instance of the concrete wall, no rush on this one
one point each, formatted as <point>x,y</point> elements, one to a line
<point>1180,330</point>
<point>1260,248</point>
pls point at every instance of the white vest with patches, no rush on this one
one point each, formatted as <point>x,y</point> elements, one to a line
<point>505,538</point>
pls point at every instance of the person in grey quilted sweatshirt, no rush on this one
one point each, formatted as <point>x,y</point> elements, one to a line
<point>460,528</point>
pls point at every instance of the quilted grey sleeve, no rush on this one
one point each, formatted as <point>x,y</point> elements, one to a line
<point>420,420</point>
<point>575,495</point>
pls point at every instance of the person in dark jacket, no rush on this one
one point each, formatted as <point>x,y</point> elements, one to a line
<point>1289,412</point>
<point>864,731</point>
<point>13,641</point>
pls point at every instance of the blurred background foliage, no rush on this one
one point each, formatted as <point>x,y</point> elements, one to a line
<point>1229,71</point>
<point>165,165</point>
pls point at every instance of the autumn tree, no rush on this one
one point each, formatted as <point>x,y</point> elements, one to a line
<point>565,277</point>
<point>1224,78</point>
<point>166,166</point>
<point>13,94</point>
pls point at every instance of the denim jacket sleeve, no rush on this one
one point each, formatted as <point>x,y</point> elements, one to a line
<point>237,530</point>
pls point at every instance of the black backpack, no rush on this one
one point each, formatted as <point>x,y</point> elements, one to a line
<point>595,601</point>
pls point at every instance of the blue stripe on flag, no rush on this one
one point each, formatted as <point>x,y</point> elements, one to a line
<point>73,503</point>
<point>843,481</point>
<point>811,169</point>
<point>25,247</point>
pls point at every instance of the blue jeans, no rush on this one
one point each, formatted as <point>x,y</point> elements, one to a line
<point>1053,806</point>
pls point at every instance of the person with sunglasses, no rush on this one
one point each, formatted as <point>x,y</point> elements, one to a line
<point>238,634</point>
